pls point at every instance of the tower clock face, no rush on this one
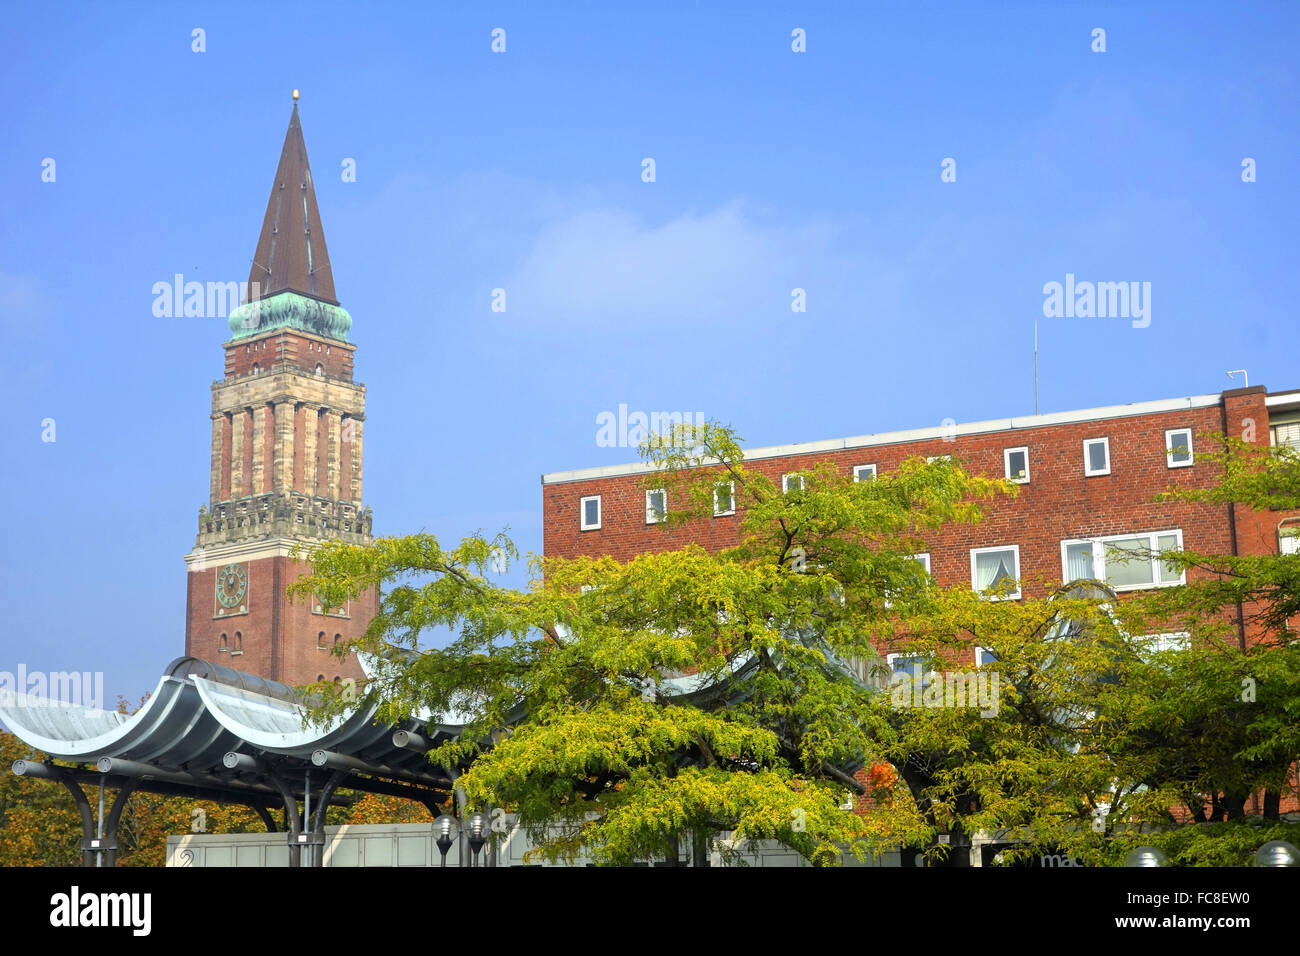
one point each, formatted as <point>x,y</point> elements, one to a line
<point>232,585</point>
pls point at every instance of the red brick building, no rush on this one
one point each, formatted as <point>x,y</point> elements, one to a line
<point>1088,479</point>
<point>286,470</point>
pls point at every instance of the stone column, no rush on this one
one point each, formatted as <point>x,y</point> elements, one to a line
<point>227,453</point>
<point>237,453</point>
<point>333,454</point>
<point>347,435</point>
<point>354,492</point>
<point>282,464</point>
<point>310,428</point>
<point>299,446</point>
<point>266,436</point>
<point>321,461</point>
<point>250,443</point>
<point>259,450</point>
<point>214,477</point>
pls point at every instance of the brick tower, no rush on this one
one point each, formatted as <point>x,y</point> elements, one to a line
<point>286,454</point>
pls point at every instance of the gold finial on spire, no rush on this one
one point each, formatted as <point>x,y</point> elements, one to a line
<point>295,96</point>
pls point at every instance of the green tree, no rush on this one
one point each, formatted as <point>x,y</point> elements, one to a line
<point>1219,725</point>
<point>633,705</point>
<point>622,707</point>
<point>39,824</point>
<point>1266,587</point>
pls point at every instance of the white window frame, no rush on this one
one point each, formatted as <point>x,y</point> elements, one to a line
<point>1006,464</point>
<point>895,655</point>
<point>1289,432</point>
<point>1088,471</point>
<point>651,515</point>
<point>1173,640</point>
<point>1099,558</point>
<point>731,492</point>
<point>1014,549</point>
<point>924,558</point>
<point>1170,446</point>
<point>926,676</point>
<point>785,481</point>
<point>983,656</point>
<point>582,513</point>
<point>933,458</point>
<point>1288,539</point>
<point>859,469</point>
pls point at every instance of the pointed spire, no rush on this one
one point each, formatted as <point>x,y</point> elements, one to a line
<point>291,253</point>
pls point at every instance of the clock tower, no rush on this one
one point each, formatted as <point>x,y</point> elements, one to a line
<point>286,454</point>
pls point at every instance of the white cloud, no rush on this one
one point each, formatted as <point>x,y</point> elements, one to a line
<point>606,266</point>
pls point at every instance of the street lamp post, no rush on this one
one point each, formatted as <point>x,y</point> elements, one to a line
<point>447,828</point>
<point>478,825</point>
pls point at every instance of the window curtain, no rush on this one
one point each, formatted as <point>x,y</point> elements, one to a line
<point>1288,434</point>
<point>1078,562</point>
<point>992,568</point>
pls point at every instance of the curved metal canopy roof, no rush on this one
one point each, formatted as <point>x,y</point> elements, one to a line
<point>210,732</point>
<point>206,719</point>
<point>200,712</point>
<point>171,729</point>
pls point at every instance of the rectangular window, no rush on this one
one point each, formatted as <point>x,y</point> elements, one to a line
<point>1127,565</point>
<point>921,559</point>
<point>724,499</point>
<point>909,666</point>
<point>1096,456</point>
<point>589,513</point>
<point>656,505</point>
<point>1287,433</point>
<point>1177,641</point>
<point>864,472</point>
<point>991,567</point>
<point>1017,464</point>
<point>1078,561</point>
<point>1169,542</point>
<point>1126,562</point>
<point>1178,447</point>
<point>984,656</point>
<point>902,663</point>
<point>1288,539</point>
<point>792,482</point>
<point>933,458</point>
<point>1152,644</point>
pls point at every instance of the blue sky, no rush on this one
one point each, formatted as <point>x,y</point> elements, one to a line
<point>522,170</point>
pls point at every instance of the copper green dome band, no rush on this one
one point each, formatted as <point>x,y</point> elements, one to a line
<point>289,310</point>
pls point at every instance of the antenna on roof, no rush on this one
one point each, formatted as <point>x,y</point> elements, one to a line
<point>1035,365</point>
<point>1245,379</point>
